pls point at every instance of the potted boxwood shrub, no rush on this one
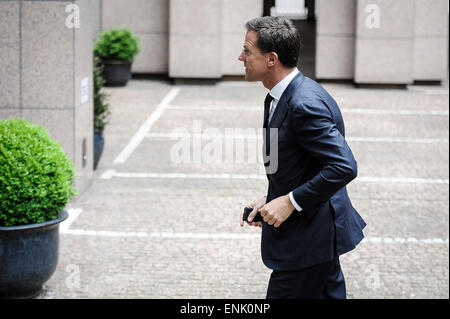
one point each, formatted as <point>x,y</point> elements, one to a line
<point>101,111</point>
<point>117,48</point>
<point>36,183</point>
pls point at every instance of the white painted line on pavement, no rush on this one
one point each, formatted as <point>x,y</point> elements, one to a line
<point>162,234</point>
<point>103,233</point>
<point>344,110</point>
<point>108,174</point>
<point>366,179</point>
<point>203,136</point>
<point>397,140</point>
<point>216,107</point>
<point>258,137</point>
<point>145,128</point>
<point>112,173</point>
<point>427,91</point>
<point>397,240</point>
<point>73,214</point>
<point>395,112</point>
<point>436,92</point>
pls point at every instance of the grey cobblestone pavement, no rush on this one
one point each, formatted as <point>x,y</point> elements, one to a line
<point>141,231</point>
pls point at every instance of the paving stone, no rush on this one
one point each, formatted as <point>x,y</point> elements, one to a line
<point>121,255</point>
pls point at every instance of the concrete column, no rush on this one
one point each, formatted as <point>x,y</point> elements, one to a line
<point>195,43</point>
<point>10,47</point>
<point>431,40</point>
<point>205,36</point>
<point>235,14</point>
<point>147,19</point>
<point>84,39</point>
<point>384,41</point>
<point>45,58</point>
<point>335,42</point>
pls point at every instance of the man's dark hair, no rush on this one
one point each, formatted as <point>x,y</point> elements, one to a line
<point>279,35</point>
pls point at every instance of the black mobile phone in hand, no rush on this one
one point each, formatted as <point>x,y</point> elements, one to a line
<point>247,211</point>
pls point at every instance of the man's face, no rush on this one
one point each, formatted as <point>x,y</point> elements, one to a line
<point>254,61</point>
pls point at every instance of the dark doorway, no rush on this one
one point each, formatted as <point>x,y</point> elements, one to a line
<point>307,29</point>
<point>267,5</point>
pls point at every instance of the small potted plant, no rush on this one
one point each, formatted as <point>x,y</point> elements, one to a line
<point>36,183</point>
<point>101,111</point>
<point>116,49</point>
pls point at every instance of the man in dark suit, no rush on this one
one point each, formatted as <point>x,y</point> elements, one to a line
<point>309,220</point>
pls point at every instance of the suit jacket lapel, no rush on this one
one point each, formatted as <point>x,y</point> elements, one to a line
<point>281,110</point>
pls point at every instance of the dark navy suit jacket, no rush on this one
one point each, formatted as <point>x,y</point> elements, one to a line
<point>315,162</point>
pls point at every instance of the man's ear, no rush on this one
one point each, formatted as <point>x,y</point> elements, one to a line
<point>272,59</point>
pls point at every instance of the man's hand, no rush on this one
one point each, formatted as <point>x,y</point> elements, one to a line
<point>256,205</point>
<point>277,211</point>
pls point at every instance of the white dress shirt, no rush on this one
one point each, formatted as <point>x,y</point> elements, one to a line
<point>276,93</point>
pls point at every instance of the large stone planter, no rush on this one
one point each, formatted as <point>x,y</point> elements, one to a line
<point>28,257</point>
<point>116,72</point>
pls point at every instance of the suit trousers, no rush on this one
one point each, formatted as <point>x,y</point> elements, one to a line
<point>322,281</point>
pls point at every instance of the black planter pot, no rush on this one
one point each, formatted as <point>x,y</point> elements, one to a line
<point>99,144</point>
<point>28,257</point>
<point>116,72</point>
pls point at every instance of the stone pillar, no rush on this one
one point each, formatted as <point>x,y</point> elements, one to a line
<point>235,14</point>
<point>431,40</point>
<point>384,41</point>
<point>10,66</point>
<point>45,59</point>
<point>205,36</point>
<point>84,39</point>
<point>147,19</point>
<point>195,43</point>
<point>335,42</point>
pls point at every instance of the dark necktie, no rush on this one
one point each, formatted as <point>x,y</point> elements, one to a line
<point>266,137</point>
<point>267,101</point>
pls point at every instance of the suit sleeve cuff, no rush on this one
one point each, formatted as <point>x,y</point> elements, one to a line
<point>297,206</point>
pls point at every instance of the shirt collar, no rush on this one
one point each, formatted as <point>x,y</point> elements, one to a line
<point>278,89</point>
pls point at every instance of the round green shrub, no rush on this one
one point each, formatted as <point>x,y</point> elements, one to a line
<point>117,44</point>
<point>36,175</point>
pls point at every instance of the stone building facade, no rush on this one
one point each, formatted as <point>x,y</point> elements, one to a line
<point>46,50</point>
